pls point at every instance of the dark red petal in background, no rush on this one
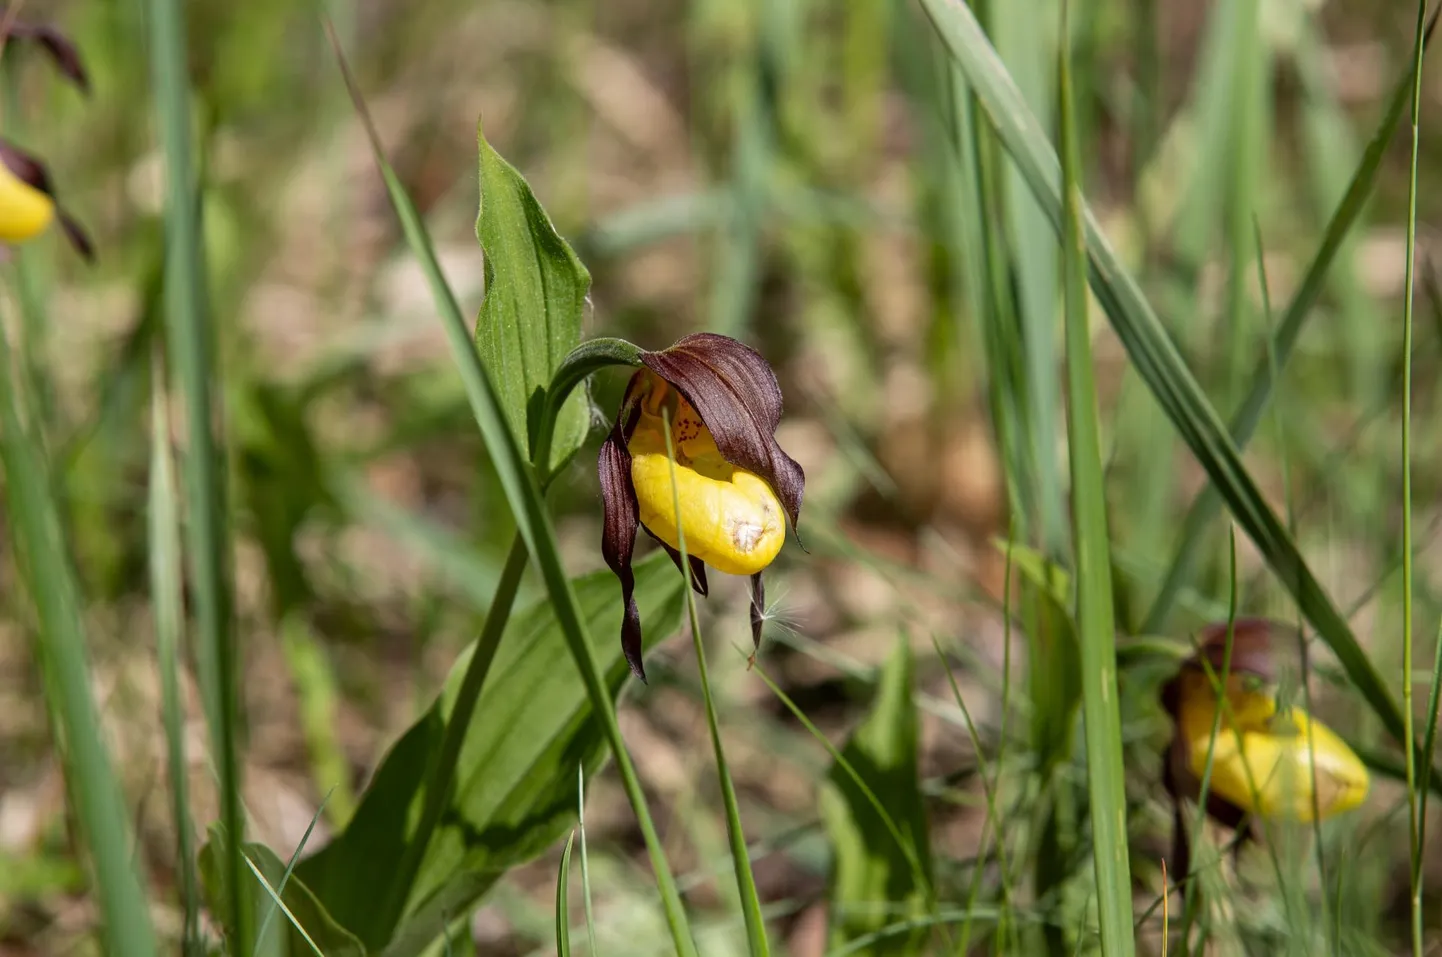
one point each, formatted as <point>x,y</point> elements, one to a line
<point>58,45</point>
<point>736,394</point>
<point>27,168</point>
<point>77,236</point>
<point>1252,652</point>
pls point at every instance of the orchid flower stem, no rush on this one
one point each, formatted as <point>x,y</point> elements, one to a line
<point>740,855</point>
<point>588,357</point>
<point>584,360</point>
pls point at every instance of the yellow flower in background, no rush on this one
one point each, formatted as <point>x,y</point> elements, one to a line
<point>27,202</point>
<point>1265,758</point>
<point>1278,753</point>
<point>24,210</point>
<point>737,489</point>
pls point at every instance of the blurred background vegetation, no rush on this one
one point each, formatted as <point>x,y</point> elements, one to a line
<point>782,171</point>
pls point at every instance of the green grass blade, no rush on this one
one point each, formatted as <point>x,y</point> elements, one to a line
<point>1189,901</point>
<point>1157,360</point>
<point>903,844</point>
<point>1096,625</point>
<point>533,521</point>
<point>989,787</point>
<point>1024,42</point>
<point>189,337</point>
<point>167,599</point>
<point>585,860</point>
<point>563,907</point>
<point>871,883</point>
<point>92,785</point>
<point>740,857</point>
<point>279,904</point>
<point>1414,823</point>
<point>1289,330</point>
<point>289,870</point>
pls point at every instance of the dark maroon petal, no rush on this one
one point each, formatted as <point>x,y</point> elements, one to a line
<point>736,394</point>
<point>698,567</point>
<point>26,167</point>
<point>77,236</point>
<point>618,538</point>
<point>758,609</point>
<point>58,45</point>
<point>1251,647</point>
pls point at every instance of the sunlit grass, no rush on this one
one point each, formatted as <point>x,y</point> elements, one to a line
<point>886,200</point>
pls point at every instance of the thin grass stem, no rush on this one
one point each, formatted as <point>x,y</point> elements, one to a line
<point>1414,824</point>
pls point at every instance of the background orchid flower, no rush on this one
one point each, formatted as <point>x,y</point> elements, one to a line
<point>737,488</point>
<point>1265,758</point>
<point>28,204</point>
<point>27,200</point>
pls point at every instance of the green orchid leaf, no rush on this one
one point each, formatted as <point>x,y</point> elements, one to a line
<point>531,322</point>
<point>515,790</point>
<point>874,883</point>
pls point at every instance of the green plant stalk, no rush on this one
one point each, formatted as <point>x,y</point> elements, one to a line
<point>578,365</point>
<point>1005,921</point>
<point>988,787</point>
<point>1414,824</point>
<point>91,783</point>
<point>1304,655</point>
<point>740,856</point>
<point>523,493</point>
<point>1096,624</point>
<point>168,603</point>
<point>188,334</point>
<point>1189,898</point>
<point>1021,42</point>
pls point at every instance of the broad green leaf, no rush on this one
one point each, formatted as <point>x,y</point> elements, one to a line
<point>515,791</point>
<point>1156,358</point>
<point>532,320</point>
<point>283,938</point>
<point>873,884</point>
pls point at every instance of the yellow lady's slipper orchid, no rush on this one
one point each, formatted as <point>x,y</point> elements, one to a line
<point>737,489</point>
<point>732,519</point>
<point>1279,752</point>
<point>1264,759</point>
